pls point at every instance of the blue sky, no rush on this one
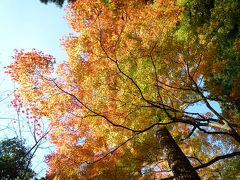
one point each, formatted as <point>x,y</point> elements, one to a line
<point>27,24</point>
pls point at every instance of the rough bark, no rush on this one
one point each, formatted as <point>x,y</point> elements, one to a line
<point>178,162</point>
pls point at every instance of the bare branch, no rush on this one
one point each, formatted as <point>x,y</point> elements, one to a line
<point>217,159</point>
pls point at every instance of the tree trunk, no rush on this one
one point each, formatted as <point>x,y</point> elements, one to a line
<point>178,162</point>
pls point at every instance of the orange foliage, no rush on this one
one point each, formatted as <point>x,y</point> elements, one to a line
<point>123,73</point>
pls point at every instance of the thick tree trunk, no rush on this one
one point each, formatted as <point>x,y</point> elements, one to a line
<point>178,162</point>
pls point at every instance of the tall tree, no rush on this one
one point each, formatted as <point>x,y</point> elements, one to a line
<point>126,77</point>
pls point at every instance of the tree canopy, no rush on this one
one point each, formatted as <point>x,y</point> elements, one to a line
<point>128,96</point>
<point>15,160</point>
<point>57,2</point>
<point>217,23</point>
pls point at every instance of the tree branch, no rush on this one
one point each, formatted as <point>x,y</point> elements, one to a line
<point>217,159</point>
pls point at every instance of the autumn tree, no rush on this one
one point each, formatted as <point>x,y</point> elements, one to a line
<point>120,104</point>
<point>216,24</point>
